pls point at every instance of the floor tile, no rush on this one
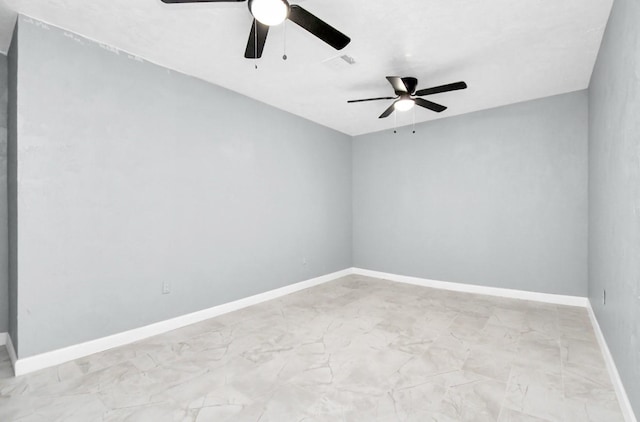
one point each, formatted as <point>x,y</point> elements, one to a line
<point>535,393</point>
<point>355,349</point>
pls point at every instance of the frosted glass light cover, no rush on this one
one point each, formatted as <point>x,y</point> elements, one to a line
<point>269,12</point>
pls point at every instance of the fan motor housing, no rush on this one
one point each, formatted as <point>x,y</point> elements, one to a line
<point>410,83</point>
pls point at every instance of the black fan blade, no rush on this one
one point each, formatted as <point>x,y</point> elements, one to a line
<point>410,84</point>
<point>200,1</point>
<point>431,106</point>
<point>372,99</point>
<point>442,88</point>
<point>317,27</point>
<point>388,111</point>
<point>251,52</point>
<point>398,84</point>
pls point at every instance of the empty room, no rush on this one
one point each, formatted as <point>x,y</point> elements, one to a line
<point>320,210</point>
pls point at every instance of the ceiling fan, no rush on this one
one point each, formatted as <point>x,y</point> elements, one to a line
<point>405,89</point>
<point>269,13</point>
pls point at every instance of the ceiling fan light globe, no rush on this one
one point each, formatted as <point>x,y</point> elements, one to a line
<point>404,104</point>
<point>269,12</point>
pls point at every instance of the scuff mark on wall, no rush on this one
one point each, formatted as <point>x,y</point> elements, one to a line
<point>74,37</point>
<point>136,58</point>
<point>37,23</point>
<point>109,48</point>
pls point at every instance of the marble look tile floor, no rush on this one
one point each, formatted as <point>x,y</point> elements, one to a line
<point>356,349</point>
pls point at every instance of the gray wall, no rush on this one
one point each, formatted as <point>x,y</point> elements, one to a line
<point>614,191</point>
<point>12,186</point>
<point>4,244</point>
<point>131,175</point>
<point>497,198</point>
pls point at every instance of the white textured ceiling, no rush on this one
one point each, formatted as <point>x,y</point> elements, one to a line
<point>506,50</point>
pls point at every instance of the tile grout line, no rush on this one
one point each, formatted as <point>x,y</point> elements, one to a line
<point>506,389</point>
<point>562,370</point>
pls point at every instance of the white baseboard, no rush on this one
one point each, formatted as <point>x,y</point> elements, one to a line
<point>3,338</point>
<point>12,352</point>
<point>56,357</point>
<point>623,399</point>
<point>482,290</point>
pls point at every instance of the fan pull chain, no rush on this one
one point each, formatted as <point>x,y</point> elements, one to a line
<point>414,120</point>
<point>395,121</point>
<point>255,43</point>
<point>284,28</point>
